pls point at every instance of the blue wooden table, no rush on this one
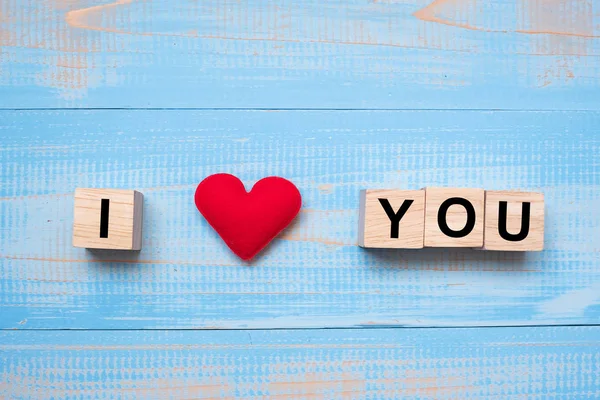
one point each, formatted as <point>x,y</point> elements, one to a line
<point>336,96</point>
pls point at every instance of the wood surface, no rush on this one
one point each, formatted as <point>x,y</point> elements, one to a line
<point>314,275</point>
<point>478,363</point>
<point>337,96</point>
<point>495,54</point>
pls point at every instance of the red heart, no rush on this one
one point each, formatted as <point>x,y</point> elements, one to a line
<point>247,221</point>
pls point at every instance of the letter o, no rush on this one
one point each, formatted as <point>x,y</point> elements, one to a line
<point>469,225</point>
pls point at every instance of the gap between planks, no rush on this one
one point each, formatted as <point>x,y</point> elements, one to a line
<point>374,327</point>
<point>506,110</point>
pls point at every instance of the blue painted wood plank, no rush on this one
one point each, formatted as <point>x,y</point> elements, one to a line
<point>484,363</point>
<point>314,275</point>
<point>508,54</point>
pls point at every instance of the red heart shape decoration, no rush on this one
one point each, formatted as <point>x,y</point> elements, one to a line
<point>247,221</point>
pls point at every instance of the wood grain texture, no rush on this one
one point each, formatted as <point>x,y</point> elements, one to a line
<point>283,54</point>
<point>314,275</point>
<point>455,217</point>
<point>405,207</point>
<point>517,221</point>
<point>492,363</point>
<point>507,54</point>
<point>123,219</point>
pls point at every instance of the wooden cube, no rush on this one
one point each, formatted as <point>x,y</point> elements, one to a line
<point>108,219</point>
<point>392,219</point>
<point>514,221</point>
<point>454,217</point>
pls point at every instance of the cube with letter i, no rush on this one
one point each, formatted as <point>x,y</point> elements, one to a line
<point>391,219</point>
<point>108,219</point>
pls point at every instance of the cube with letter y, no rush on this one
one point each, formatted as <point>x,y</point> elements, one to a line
<point>392,219</point>
<point>514,221</point>
<point>108,219</point>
